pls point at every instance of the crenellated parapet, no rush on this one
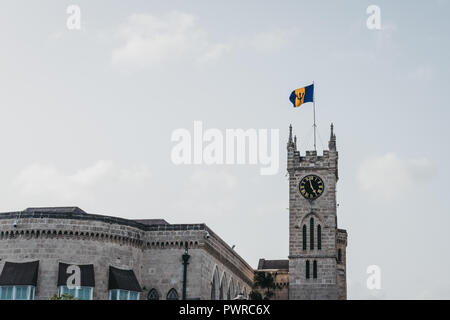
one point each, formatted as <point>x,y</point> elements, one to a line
<point>311,159</point>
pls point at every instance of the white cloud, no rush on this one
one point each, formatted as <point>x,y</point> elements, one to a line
<point>423,73</point>
<point>153,39</point>
<point>209,194</point>
<point>218,180</point>
<point>389,176</point>
<point>273,40</point>
<point>439,292</point>
<point>48,183</point>
<point>91,175</point>
<point>135,173</point>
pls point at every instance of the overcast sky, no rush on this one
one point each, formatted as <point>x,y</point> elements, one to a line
<point>86,118</point>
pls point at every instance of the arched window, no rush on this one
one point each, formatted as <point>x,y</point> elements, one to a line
<point>304,237</point>
<point>229,293</point>
<point>319,237</point>
<point>307,269</point>
<point>339,256</point>
<point>172,294</point>
<point>311,233</point>
<point>221,291</point>
<point>315,269</point>
<point>213,289</point>
<point>153,295</point>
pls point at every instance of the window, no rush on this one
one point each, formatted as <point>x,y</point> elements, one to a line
<point>307,269</point>
<point>221,291</point>
<point>17,293</point>
<point>213,289</point>
<point>319,237</point>
<point>339,256</point>
<point>119,294</point>
<point>82,293</point>
<point>311,233</point>
<point>172,294</point>
<point>315,269</point>
<point>304,237</point>
<point>153,295</point>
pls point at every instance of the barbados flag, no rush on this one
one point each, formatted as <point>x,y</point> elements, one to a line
<point>302,95</point>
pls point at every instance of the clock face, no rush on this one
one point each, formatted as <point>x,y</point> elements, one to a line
<point>311,187</point>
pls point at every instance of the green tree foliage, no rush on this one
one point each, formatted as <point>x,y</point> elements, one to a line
<point>255,295</point>
<point>64,296</point>
<point>265,281</point>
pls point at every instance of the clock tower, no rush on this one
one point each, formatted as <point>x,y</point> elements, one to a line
<point>317,248</point>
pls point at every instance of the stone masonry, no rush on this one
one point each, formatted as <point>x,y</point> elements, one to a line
<point>152,249</point>
<point>330,282</point>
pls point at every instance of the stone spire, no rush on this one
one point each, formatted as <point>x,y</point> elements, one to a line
<point>290,143</point>
<point>332,142</point>
<point>295,143</point>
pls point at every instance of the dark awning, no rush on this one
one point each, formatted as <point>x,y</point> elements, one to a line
<point>123,279</point>
<point>87,274</point>
<point>19,274</point>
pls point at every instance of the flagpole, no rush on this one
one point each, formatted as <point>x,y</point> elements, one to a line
<point>314,115</point>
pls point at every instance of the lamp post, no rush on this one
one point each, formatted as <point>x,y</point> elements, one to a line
<point>185,257</point>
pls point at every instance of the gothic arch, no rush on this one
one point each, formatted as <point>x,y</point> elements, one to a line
<point>222,287</point>
<point>153,294</point>
<point>215,283</point>
<point>230,291</point>
<point>172,294</point>
<point>238,291</point>
<point>316,217</point>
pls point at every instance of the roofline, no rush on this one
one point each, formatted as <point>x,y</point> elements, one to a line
<point>103,218</point>
<point>121,221</point>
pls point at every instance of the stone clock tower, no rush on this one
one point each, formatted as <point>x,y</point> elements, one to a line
<point>317,248</point>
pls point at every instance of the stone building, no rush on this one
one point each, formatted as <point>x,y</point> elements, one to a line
<point>45,251</point>
<point>317,248</point>
<point>279,269</point>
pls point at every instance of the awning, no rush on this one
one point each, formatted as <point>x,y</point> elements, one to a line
<point>19,274</point>
<point>123,279</point>
<point>87,274</point>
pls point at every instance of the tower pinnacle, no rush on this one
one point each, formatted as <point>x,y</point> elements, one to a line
<point>332,142</point>
<point>290,143</point>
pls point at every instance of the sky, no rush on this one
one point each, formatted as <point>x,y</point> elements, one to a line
<point>87,116</point>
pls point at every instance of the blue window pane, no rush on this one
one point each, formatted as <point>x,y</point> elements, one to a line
<point>133,295</point>
<point>84,293</point>
<point>114,295</point>
<point>123,295</point>
<point>6,293</point>
<point>21,293</point>
<point>72,292</point>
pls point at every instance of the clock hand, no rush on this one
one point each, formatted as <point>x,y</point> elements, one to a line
<point>310,184</point>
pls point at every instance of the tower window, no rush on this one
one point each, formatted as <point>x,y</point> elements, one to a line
<point>304,237</point>
<point>315,269</point>
<point>311,234</point>
<point>319,237</point>
<point>339,259</point>
<point>307,269</point>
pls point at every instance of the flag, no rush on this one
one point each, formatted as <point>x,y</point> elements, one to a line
<point>302,95</point>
